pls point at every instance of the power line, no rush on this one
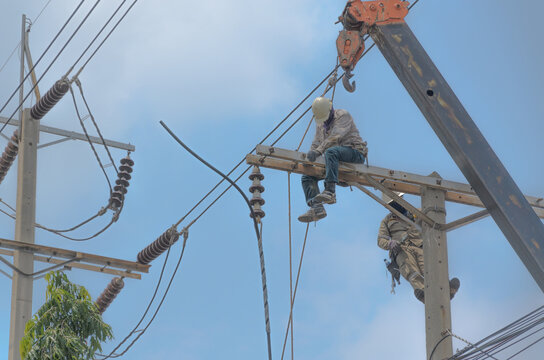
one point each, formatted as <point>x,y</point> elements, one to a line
<point>41,56</point>
<point>89,140</point>
<point>19,43</point>
<point>141,332</point>
<point>106,38</point>
<point>255,218</point>
<point>96,37</point>
<point>51,64</point>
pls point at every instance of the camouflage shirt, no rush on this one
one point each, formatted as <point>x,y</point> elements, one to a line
<point>341,132</point>
<point>394,228</point>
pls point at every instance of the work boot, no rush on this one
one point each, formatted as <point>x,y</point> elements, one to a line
<point>328,196</point>
<point>315,212</point>
<point>420,295</point>
<point>454,286</point>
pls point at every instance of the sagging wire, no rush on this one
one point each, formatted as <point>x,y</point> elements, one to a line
<point>112,354</point>
<point>257,232</point>
<point>89,140</point>
<point>78,83</point>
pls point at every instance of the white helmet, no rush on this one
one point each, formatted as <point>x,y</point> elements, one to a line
<point>321,107</point>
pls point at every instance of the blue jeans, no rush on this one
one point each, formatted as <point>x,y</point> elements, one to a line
<point>332,156</point>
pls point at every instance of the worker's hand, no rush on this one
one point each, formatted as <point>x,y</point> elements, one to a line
<point>312,155</point>
<point>394,246</point>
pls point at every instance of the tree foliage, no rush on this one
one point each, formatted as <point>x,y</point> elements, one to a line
<point>67,326</point>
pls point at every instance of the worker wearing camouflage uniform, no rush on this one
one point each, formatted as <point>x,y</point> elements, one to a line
<point>337,139</point>
<point>405,245</point>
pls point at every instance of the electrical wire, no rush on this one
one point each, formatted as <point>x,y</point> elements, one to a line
<point>257,232</point>
<point>112,353</point>
<point>20,41</point>
<point>90,142</point>
<point>105,38</point>
<point>78,83</point>
<point>96,36</point>
<point>504,338</point>
<point>39,59</point>
<point>48,67</point>
<point>262,141</point>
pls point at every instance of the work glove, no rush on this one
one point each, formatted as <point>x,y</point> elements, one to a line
<point>312,155</point>
<point>394,246</point>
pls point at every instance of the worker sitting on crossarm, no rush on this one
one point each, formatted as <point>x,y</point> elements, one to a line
<point>337,139</point>
<point>405,245</point>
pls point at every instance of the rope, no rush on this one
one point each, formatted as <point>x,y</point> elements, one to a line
<point>290,260</point>
<point>78,83</point>
<point>295,291</point>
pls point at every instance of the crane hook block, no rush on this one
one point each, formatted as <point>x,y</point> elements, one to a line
<point>358,19</point>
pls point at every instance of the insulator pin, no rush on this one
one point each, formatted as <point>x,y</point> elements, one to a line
<point>122,182</point>
<point>108,295</point>
<point>9,155</point>
<point>256,189</point>
<point>50,99</point>
<point>157,247</point>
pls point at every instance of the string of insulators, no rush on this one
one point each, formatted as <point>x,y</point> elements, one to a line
<point>9,155</point>
<point>112,290</point>
<point>122,182</point>
<point>50,99</point>
<point>256,189</point>
<point>157,247</point>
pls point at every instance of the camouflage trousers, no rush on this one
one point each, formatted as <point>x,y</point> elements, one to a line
<point>410,261</point>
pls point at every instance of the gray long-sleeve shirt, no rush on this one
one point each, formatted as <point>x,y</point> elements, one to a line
<point>342,132</point>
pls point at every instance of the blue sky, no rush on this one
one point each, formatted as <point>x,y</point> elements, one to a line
<point>222,75</point>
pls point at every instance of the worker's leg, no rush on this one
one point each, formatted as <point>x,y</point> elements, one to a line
<point>409,269</point>
<point>311,189</point>
<point>335,154</point>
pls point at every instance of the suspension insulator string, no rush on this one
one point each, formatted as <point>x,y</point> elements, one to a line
<point>159,246</point>
<point>122,182</point>
<point>9,155</point>
<point>108,295</point>
<point>50,99</point>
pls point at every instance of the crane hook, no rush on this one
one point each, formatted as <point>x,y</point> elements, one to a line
<point>345,80</point>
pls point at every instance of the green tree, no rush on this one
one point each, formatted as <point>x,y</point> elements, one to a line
<point>67,326</point>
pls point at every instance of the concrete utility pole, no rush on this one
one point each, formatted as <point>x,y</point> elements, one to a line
<point>437,290</point>
<point>21,293</point>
